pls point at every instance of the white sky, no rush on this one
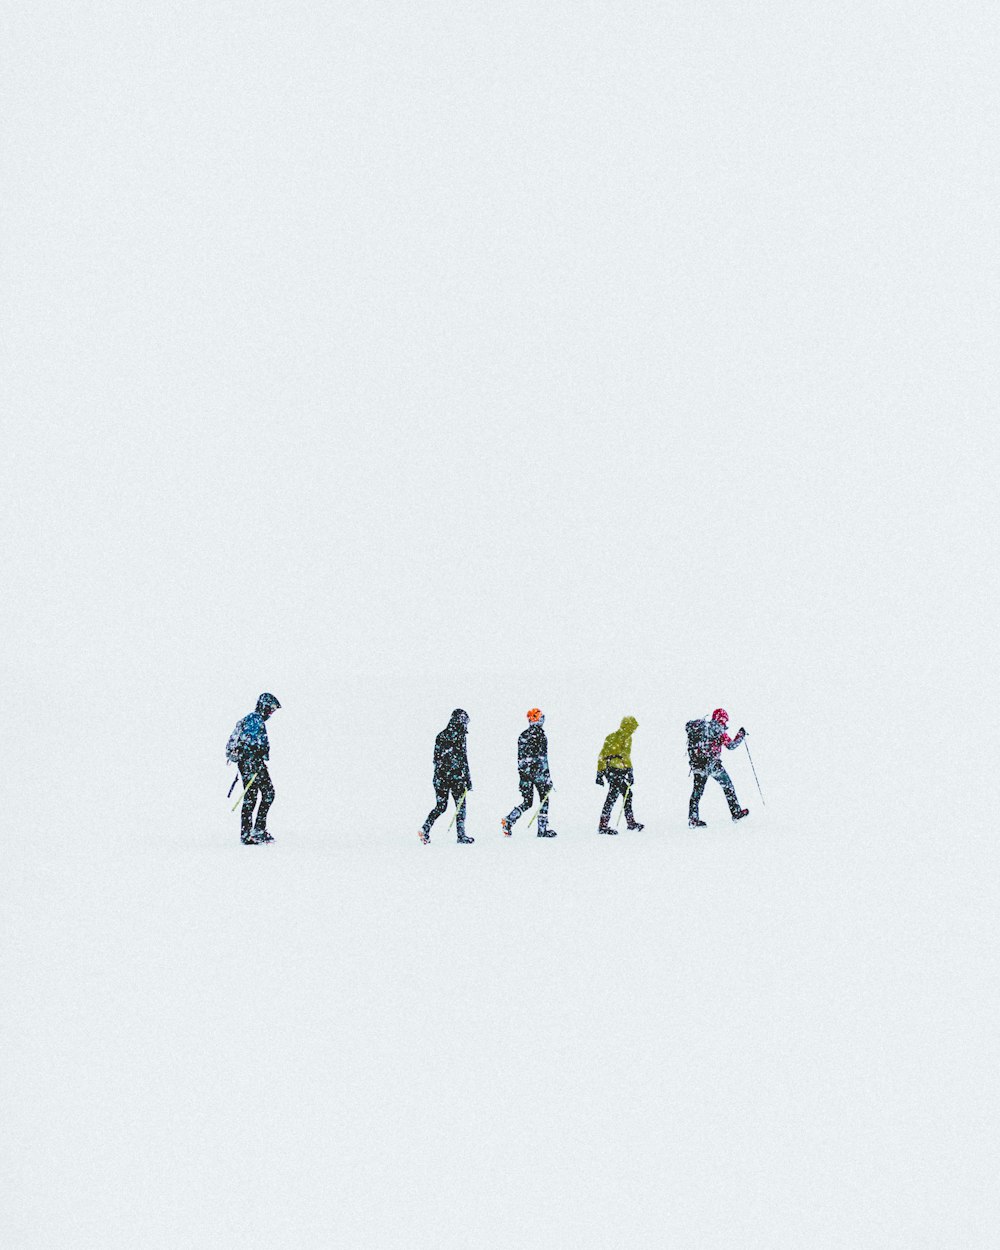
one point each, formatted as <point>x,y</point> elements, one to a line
<point>642,343</point>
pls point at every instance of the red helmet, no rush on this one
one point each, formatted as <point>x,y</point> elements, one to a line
<point>721,715</point>
<point>534,715</point>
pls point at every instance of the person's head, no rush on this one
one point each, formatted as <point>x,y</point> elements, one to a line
<point>630,724</point>
<point>267,704</point>
<point>535,717</point>
<point>460,717</point>
<point>721,716</point>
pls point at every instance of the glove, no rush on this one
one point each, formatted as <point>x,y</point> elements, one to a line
<point>742,732</point>
<point>630,777</point>
<point>600,779</point>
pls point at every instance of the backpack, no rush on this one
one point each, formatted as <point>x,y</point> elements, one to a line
<point>697,741</point>
<point>235,744</point>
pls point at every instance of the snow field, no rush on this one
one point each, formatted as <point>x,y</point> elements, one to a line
<point>736,1037</point>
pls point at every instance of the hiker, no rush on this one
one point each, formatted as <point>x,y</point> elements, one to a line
<point>248,749</point>
<point>451,774</point>
<point>614,765</point>
<point>706,738</point>
<point>532,774</point>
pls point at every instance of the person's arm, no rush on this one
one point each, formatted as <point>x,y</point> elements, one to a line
<point>732,743</point>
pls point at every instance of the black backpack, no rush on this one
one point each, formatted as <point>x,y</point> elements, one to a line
<point>697,734</point>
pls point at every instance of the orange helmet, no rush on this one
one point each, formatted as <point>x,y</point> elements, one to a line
<point>534,715</point>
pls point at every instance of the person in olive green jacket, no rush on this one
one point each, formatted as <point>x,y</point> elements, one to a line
<point>614,765</point>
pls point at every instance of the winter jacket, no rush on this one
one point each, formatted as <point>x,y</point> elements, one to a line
<point>716,738</point>
<point>533,753</point>
<point>617,749</point>
<point>451,760</point>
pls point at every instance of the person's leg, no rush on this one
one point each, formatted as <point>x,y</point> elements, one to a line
<point>441,795</point>
<point>461,802</point>
<point>543,811</point>
<point>615,778</point>
<point>264,784</point>
<point>722,777</point>
<point>247,771</point>
<point>697,791</point>
<point>527,798</point>
<point>609,799</point>
<point>630,819</point>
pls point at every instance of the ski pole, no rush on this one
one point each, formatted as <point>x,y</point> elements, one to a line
<point>244,794</point>
<point>458,808</point>
<point>759,791</point>
<point>540,806</point>
<point>233,786</point>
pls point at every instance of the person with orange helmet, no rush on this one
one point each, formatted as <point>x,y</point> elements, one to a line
<point>706,738</point>
<point>533,774</point>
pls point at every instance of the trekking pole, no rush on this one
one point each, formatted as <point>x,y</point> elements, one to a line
<point>458,808</point>
<point>540,806</point>
<point>628,791</point>
<point>244,794</point>
<point>759,791</point>
<point>233,786</point>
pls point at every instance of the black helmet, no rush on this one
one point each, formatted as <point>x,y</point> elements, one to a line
<point>267,703</point>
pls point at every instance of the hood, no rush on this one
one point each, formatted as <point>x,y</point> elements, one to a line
<point>629,724</point>
<point>266,704</point>
<point>459,720</point>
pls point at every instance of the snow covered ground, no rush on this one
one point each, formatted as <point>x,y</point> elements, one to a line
<point>774,1034</point>
<point>615,359</point>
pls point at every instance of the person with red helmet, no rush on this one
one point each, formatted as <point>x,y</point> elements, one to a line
<point>533,774</point>
<point>706,738</point>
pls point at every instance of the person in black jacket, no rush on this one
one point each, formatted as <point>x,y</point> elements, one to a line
<point>451,774</point>
<point>532,774</point>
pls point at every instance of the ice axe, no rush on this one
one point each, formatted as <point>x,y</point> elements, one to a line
<point>625,797</point>
<point>541,805</point>
<point>244,794</point>
<point>458,808</point>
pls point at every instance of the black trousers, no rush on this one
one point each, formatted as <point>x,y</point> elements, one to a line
<point>701,775</point>
<point>261,787</point>
<point>528,786</point>
<point>618,783</point>
<point>442,790</point>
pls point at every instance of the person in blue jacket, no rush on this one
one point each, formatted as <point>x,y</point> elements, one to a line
<point>249,749</point>
<point>532,774</point>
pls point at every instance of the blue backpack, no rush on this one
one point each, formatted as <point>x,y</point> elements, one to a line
<point>235,745</point>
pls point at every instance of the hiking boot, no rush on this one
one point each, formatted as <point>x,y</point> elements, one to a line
<point>546,833</point>
<point>263,835</point>
<point>505,826</point>
<point>424,836</point>
<point>744,811</point>
<point>695,823</point>
<point>250,839</point>
<point>636,827</point>
<point>607,829</point>
<point>464,837</point>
